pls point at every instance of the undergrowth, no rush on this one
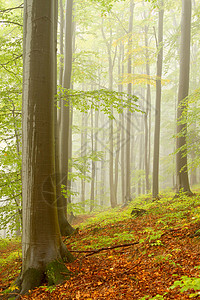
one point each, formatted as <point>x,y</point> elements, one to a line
<point>118,227</point>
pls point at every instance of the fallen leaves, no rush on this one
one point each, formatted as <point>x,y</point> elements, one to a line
<point>131,272</point>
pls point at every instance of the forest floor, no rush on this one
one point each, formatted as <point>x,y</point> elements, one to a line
<point>152,253</point>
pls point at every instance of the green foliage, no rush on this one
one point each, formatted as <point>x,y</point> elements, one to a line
<point>154,236</point>
<point>99,239</point>
<point>191,117</point>
<point>11,257</point>
<point>85,66</point>
<point>101,100</point>
<point>50,288</point>
<point>4,243</point>
<point>10,117</point>
<point>106,5</point>
<point>77,208</point>
<point>187,283</point>
<point>81,165</point>
<point>158,297</point>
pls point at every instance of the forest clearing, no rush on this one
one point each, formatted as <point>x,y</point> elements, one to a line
<point>159,259</point>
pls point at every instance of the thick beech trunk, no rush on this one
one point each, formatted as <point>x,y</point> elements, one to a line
<point>42,247</point>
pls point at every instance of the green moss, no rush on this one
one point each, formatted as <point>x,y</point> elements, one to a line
<point>57,272</point>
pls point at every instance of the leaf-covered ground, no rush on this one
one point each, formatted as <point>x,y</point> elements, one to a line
<point>159,259</point>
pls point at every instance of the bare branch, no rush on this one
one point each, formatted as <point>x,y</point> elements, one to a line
<point>95,251</point>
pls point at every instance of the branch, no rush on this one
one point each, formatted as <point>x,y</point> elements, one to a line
<point>10,22</point>
<point>120,22</point>
<point>10,72</point>
<point>95,251</point>
<point>11,8</point>
<point>19,56</point>
<point>14,197</point>
<point>154,29</point>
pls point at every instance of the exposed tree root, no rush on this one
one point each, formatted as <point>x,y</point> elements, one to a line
<point>187,193</point>
<point>52,273</point>
<point>55,273</point>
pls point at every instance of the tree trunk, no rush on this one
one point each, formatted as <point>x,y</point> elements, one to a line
<point>83,154</point>
<point>113,200</point>
<point>102,185</point>
<point>158,104</point>
<point>65,227</point>
<point>146,117</point>
<point>42,247</point>
<point>128,125</point>
<point>181,157</point>
<point>96,149</point>
<point>93,164</point>
<point>117,160</point>
<point>122,136</point>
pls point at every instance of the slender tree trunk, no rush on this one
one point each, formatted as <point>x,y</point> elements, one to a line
<point>65,227</point>
<point>181,157</point>
<point>117,160</point>
<point>70,187</point>
<point>93,164</point>
<point>146,117</point>
<point>102,185</point>
<point>96,149</point>
<point>128,125</point>
<point>18,202</point>
<point>122,137</point>
<point>62,128</point>
<point>158,104</point>
<point>119,129</point>
<point>83,155</point>
<point>113,200</point>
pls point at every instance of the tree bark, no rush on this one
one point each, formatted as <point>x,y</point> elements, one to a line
<point>158,104</point>
<point>42,247</point>
<point>128,125</point>
<point>102,185</point>
<point>122,136</point>
<point>146,117</point>
<point>65,227</point>
<point>181,157</point>
<point>93,164</point>
<point>113,200</point>
<point>83,154</point>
